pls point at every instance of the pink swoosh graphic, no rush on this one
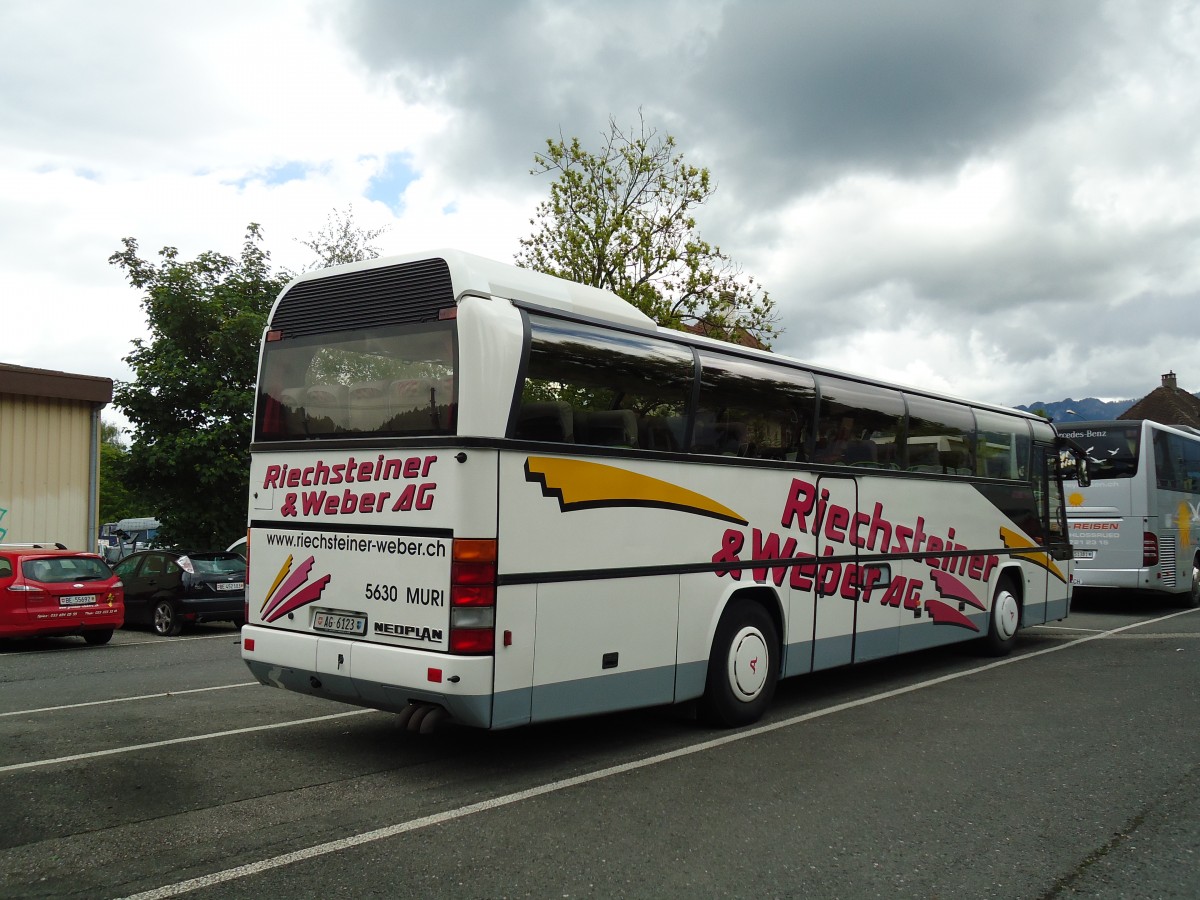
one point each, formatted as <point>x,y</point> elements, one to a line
<point>951,588</point>
<point>294,581</point>
<point>308,595</point>
<point>945,614</point>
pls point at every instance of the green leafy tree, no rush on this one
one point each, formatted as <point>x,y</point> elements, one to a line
<point>623,218</point>
<point>119,494</point>
<point>191,401</point>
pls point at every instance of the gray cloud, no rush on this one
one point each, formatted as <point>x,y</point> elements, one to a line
<point>812,90</point>
<point>1001,191</point>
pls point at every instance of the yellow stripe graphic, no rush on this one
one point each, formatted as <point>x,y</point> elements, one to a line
<point>1038,557</point>
<point>580,484</point>
<point>287,567</point>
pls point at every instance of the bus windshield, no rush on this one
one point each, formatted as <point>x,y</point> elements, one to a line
<point>395,381</point>
<point>1112,451</point>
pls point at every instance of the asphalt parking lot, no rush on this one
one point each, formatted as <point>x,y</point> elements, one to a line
<point>155,767</point>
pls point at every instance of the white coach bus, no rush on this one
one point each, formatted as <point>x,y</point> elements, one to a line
<point>1137,525</point>
<point>486,493</point>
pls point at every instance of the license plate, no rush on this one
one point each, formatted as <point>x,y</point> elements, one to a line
<point>78,600</point>
<point>339,623</point>
<point>1085,554</point>
<point>231,585</point>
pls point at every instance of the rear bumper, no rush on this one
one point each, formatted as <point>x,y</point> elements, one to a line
<point>64,622</point>
<point>1121,580</point>
<point>371,675</point>
<point>204,609</point>
<point>1128,579</point>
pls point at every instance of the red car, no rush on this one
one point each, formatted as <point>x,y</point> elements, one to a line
<point>58,592</point>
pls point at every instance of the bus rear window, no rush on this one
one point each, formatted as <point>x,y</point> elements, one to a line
<point>396,381</point>
<point>1112,451</point>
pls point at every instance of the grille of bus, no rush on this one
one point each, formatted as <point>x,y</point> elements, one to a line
<point>1166,560</point>
<point>390,295</point>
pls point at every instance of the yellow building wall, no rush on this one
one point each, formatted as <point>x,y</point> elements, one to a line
<point>46,454</point>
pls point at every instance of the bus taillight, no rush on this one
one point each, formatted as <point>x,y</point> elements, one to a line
<point>1149,549</point>
<point>473,596</point>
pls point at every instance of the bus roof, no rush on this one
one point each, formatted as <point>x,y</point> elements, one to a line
<point>478,275</point>
<point>471,274</point>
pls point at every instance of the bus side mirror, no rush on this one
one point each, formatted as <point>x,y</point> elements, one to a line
<point>1082,476</point>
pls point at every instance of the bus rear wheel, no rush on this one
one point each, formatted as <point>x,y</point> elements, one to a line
<point>1191,599</point>
<point>1004,620</point>
<point>743,667</point>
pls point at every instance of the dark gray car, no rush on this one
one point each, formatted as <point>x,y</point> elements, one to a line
<point>168,589</point>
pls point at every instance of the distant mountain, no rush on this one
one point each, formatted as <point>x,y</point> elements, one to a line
<point>1074,410</point>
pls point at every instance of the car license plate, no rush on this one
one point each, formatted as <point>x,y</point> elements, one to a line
<point>78,600</point>
<point>231,585</point>
<point>1085,554</point>
<point>339,622</point>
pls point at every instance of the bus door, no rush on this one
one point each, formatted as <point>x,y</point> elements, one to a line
<point>834,583</point>
<point>1047,573</point>
<point>880,607</point>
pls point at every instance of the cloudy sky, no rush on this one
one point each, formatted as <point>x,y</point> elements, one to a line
<point>999,200</point>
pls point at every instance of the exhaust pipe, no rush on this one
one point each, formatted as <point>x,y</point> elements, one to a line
<point>421,718</point>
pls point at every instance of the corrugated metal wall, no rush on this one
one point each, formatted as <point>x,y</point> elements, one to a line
<point>45,458</point>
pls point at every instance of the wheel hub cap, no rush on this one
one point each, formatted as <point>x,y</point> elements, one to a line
<point>748,664</point>
<point>1008,615</point>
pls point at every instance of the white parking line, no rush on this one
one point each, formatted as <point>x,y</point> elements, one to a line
<point>114,751</point>
<point>379,834</point>
<point>42,709</point>
<point>79,648</point>
<point>229,635</point>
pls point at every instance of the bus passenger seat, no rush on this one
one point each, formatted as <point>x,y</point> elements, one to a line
<point>609,428</point>
<point>369,405</point>
<point>860,451</point>
<point>704,433</point>
<point>655,434</point>
<point>677,426</point>
<point>293,409</point>
<point>547,420</point>
<point>732,439</point>
<point>409,394</point>
<point>326,403</point>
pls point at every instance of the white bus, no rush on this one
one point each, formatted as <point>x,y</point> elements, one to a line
<point>486,493</point>
<point>1136,527</point>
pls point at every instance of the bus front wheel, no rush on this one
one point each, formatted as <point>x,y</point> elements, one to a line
<point>1004,621</point>
<point>743,667</point>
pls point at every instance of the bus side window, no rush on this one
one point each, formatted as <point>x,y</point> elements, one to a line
<point>749,409</point>
<point>1002,445</point>
<point>592,385</point>
<point>859,426</point>
<point>1190,456</point>
<point>941,436</point>
<point>1165,455</point>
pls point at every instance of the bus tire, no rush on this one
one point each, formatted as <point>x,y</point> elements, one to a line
<point>1004,619</point>
<point>743,667</point>
<point>98,637</point>
<point>1191,599</point>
